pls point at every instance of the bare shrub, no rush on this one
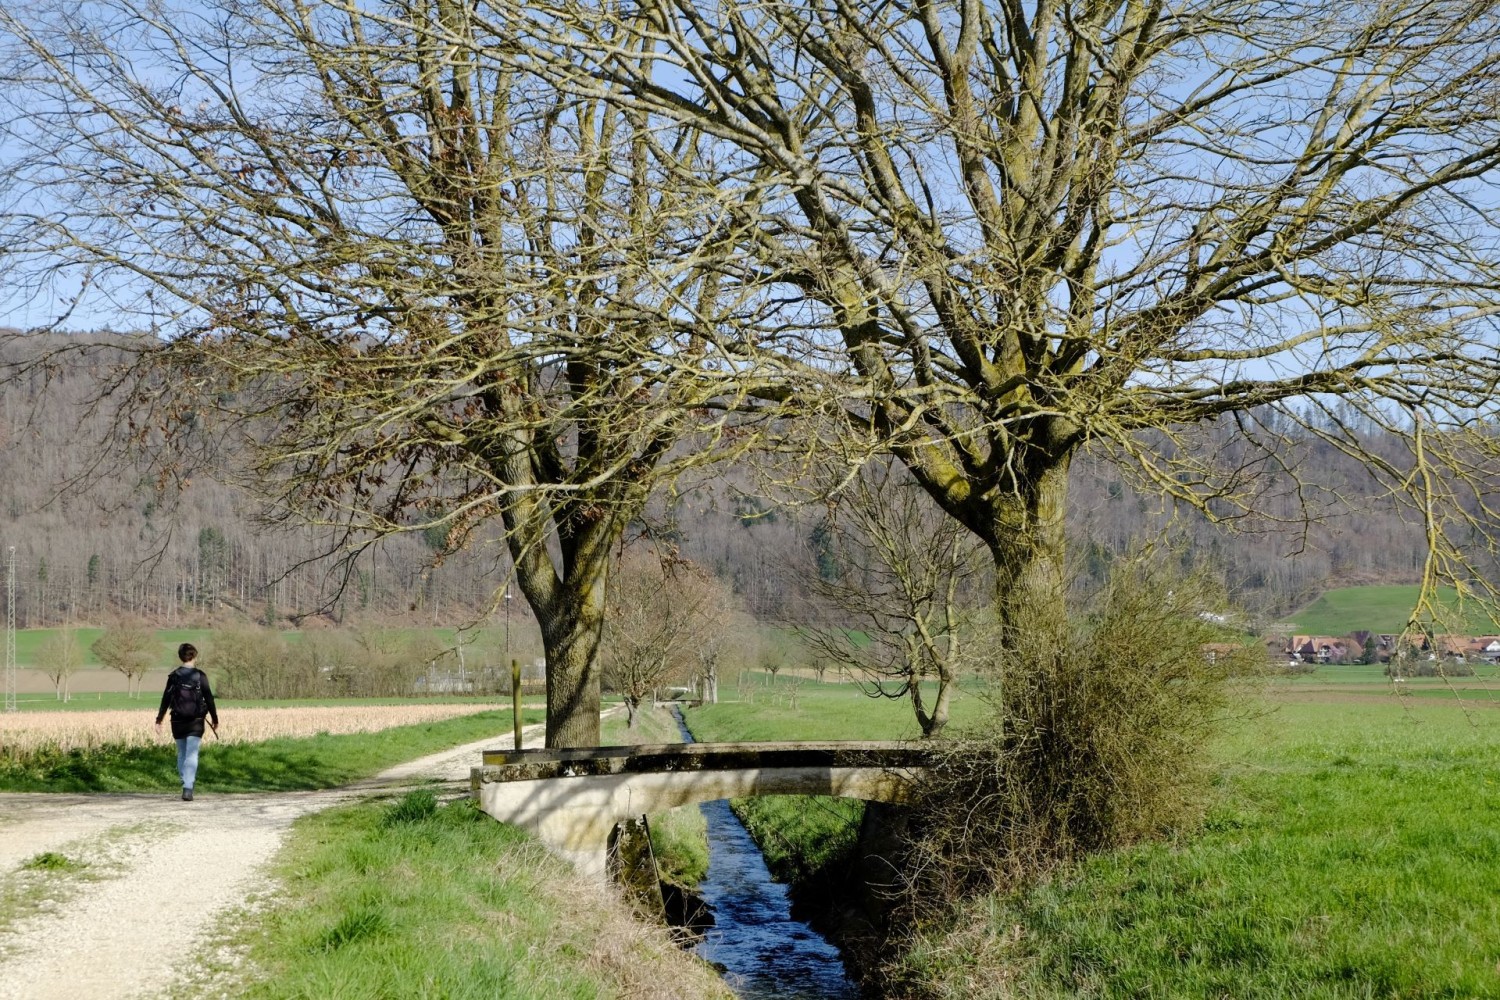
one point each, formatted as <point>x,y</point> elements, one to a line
<point>1095,738</point>
<point>252,662</point>
<point>1430,668</point>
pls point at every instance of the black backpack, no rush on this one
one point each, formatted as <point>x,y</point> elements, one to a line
<point>187,696</point>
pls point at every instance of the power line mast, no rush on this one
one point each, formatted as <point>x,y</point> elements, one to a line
<point>10,631</point>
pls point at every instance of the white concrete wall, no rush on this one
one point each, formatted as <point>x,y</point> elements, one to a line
<point>574,816</point>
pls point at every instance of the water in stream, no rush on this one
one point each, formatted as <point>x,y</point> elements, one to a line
<point>764,952</point>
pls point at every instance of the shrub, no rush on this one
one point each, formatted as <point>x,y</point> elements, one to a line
<point>1429,668</point>
<point>1094,740</point>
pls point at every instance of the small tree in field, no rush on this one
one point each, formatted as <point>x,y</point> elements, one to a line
<point>899,594</point>
<point>61,657</point>
<point>128,649</point>
<point>658,616</point>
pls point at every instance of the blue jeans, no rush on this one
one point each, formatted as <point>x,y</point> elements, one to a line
<point>187,759</point>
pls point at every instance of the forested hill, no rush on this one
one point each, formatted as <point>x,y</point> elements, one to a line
<point>96,540</point>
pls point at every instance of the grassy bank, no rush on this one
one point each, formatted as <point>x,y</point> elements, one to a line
<point>287,764</point>
<point>1351,851</point>
<point>414,899</point>
<point>679,837</point>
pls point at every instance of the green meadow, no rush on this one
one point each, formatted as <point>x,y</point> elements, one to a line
<point>415,898</point>
<point>1386,609</point>
<point>30,641</point>
<point>1351,849</point>
<point>274,765</point>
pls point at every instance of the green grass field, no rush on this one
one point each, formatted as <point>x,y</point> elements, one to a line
<point>1384,609</point>
<point>1351,850</point>
<point>29,641</point>
<point>322,761</point>
<point>414,899</point>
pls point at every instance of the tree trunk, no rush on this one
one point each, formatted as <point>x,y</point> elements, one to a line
<point>632,706</point>
<point>1029,549</point>
<point>570,640</point>
<point>932,723</point>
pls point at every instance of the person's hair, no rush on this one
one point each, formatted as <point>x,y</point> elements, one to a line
<point>187,652</point>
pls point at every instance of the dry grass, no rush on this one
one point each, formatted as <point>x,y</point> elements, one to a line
<point>30,731</point>
<point>628,953</point>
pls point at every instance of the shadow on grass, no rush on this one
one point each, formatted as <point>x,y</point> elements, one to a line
<point>295,766</point>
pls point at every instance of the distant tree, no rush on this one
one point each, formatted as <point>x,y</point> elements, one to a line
<point>1372,651</point>
<point>61,657</point>
<point>658,615</point>
<point>130,649</point>
<point>253,662</point>
<point>728,635</point>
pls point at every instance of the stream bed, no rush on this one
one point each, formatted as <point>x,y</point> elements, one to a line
<point>762,950</point>
<point>765,952</point>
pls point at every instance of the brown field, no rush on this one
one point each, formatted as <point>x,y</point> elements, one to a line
<point>90,680</point>
<point>131,727</point>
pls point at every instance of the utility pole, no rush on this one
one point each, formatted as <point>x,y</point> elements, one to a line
<point>10,631</point>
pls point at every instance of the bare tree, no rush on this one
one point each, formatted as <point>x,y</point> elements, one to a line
<point>728,637</point>
<point>425,291</point>
<point>658,615</point>
<point>899,590</point>
<point>130,649</point>
<point>1023,228</point>
<point>61,658</point>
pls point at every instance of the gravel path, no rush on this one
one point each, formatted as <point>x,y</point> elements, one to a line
<point>120,932</point>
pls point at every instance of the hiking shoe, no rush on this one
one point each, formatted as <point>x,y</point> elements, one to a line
<point>187,795</point>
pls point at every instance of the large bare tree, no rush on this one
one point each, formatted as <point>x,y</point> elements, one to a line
<point>1020,228</point>
<point>425,291</point>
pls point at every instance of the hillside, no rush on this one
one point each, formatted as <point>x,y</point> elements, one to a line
<point>1385,609</point>
<point>94,541</point>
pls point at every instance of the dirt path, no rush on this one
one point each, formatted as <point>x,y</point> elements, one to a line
<point>121,931</point>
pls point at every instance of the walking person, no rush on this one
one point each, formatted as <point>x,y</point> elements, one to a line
<point>189,699</point>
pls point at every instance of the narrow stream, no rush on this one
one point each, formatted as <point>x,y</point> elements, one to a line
<point>764,952</point>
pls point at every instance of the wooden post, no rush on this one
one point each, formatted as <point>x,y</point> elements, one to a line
<point>515,698</point>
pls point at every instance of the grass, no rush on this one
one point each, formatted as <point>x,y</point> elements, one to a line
<point>421,900</point>
<point>1384,609</point>
<point>286,764</point>
<point>758,710</point>
<point>1352,851</point>
<point>679,837</point>
<point>29,643</point>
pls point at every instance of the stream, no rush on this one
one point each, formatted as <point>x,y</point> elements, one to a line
<point>764,952</point>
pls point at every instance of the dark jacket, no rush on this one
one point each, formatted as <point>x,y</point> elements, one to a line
<point>183,726</point>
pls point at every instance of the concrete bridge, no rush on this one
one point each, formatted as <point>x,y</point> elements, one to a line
<point>573,799</point>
